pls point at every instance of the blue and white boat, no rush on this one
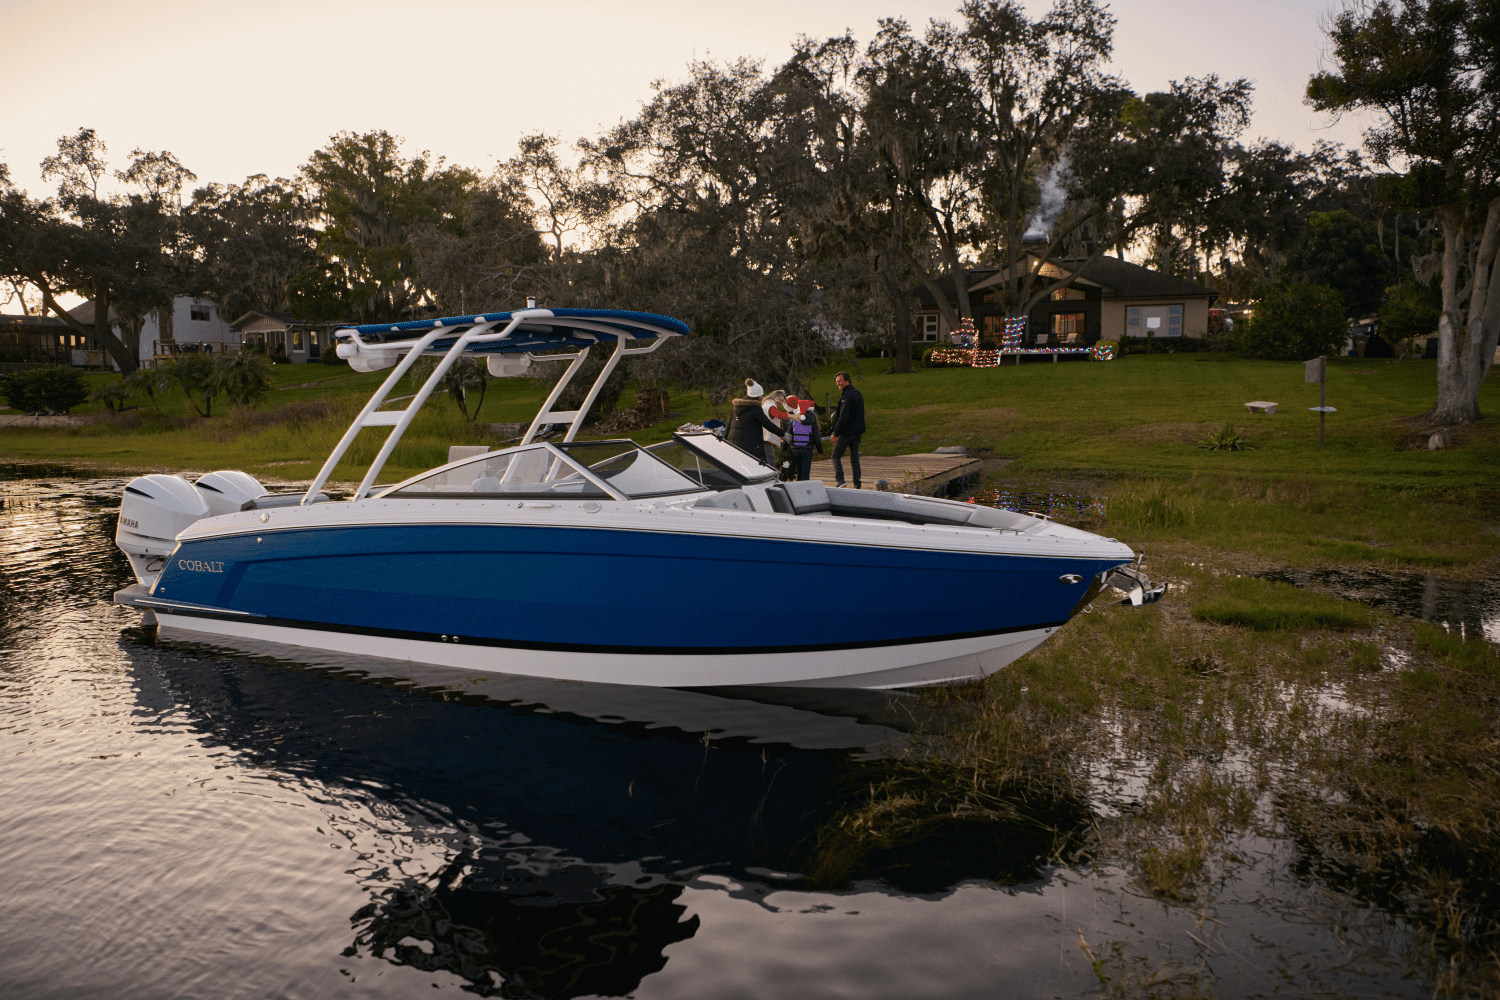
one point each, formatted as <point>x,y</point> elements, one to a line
<point>684,565</point>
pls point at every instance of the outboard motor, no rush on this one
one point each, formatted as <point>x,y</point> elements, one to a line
<point>227,491</point>
<point>154,510</point>
<point>158,507</point>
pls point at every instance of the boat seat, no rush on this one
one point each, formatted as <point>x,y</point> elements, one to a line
<point>809,497</point>
<point>895,507</point>
<point>922,510</point>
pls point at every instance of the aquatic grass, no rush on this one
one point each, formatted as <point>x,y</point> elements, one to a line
<point>1473,656</point>
<point>1181,737</point>
<point>1266,606</point>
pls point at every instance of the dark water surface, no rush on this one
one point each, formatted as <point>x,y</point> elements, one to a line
<point>179,820</point>
<point>1467,608</point>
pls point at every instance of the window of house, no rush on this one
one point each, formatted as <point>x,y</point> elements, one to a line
<point>927,326</point>
<point>296,340</point>
<point>1067,328</point>
<point>1067,294</point>
<point>1155,321</point>
<point>198,313</point>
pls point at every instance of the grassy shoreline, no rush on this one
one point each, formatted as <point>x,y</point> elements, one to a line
<point>1129,430</point>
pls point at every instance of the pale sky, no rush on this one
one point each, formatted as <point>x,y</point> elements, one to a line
<point>243,88</point>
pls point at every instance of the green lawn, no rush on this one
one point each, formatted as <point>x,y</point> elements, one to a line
<point>1127,429</point>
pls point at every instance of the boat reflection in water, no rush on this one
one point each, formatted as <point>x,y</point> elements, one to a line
<point>536,838</point>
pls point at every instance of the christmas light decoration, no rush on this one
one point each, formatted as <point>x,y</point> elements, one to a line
<point>1062,507</point>
<point>1015,329</point>
<point>968,336</point>
<point>1103,351</point>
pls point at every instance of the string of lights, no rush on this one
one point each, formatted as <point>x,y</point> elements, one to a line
<point>967,354</point>
<point>1059,506</point>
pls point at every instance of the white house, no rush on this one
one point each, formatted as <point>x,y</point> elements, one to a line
<point>193,325</point>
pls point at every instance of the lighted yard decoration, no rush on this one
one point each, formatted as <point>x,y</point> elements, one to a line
<point>968,336</point>
<point>1010,343</point>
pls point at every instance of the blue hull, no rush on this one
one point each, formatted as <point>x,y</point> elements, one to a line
<point>589,589</point>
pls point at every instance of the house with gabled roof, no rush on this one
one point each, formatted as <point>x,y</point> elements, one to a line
<point>285,338</point>
<point>1108,299</point>
<point>190,325</point>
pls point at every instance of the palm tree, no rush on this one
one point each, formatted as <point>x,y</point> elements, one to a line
<point>246,377</point>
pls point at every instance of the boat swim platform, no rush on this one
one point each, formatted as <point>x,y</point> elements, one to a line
<point>929,474</point>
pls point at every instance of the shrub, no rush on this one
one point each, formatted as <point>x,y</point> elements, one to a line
<point>197,375</point>
<point>1295,322</point>
<point>246,377</point>
<point>154,382</point>
<point>1410,311</point>
<point>112,394</point>
<point>1226,438</point>
<point>57,388</point>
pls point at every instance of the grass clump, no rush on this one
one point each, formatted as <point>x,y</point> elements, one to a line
<point>1152,504</point>
<point>1267,606</point>
<point>1474,657</point>
<point>1226,438</point>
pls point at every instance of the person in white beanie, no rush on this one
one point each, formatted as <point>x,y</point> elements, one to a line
<point>748,422</point>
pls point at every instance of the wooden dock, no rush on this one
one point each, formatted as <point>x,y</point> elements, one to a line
<point>929,474</point>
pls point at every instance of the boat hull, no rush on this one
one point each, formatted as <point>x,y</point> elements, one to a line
<point>580,603</point>
<point>913,665</point>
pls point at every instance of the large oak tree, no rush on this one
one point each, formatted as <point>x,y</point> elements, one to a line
<point>1430,72</point>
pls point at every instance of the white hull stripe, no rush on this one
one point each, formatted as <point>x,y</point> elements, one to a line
<point>906,665</point>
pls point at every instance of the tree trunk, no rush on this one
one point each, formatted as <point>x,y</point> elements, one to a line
<point>105,338</point>
<point>1466,349</point>
<point>900,297</point>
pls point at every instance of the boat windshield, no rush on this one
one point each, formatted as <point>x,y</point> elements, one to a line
<point>629,468</point>
<point>539,472</point>
<point>713,461</point>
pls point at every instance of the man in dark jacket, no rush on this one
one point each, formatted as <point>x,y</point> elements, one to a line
<point>747,420</point>
<point>848,425</point>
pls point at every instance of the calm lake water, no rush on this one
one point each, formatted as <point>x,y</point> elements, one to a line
<point>179,820</point>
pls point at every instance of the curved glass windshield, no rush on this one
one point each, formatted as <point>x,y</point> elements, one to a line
<point>629,468</point>
<point>700,454</point>
<point>540,473</point>
<point>533,473</point>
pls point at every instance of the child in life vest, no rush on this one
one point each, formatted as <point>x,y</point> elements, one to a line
<point>802,428</point>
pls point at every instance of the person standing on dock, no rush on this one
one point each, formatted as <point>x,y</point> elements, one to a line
<point>805,435</point>
<point>848,425</point>
<point>749,424</point>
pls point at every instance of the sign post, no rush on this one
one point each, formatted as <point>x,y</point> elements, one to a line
<point>1316,370</point>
